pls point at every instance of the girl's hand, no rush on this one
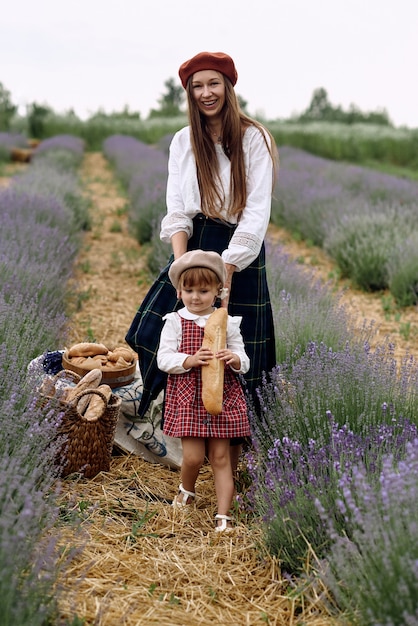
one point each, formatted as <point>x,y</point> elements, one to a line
<point>200,358</point>
<point>229,358</point>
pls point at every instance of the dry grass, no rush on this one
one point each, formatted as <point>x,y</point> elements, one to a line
<point>144,562</point>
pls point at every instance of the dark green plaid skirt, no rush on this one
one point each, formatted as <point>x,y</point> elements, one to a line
<point>249,298</point>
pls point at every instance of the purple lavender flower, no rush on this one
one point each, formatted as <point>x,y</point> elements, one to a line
<point>69,143</point>
<point>37,246</point>
<point>357,214</point>
<point>372,567</point>
<point>143,169</point>
<point>293,477</point>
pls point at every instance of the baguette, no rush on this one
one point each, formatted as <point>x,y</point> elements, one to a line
<point>214,338</point>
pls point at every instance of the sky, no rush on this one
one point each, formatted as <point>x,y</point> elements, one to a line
<point>88,55</point>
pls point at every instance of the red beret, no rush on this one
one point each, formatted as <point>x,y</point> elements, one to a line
<point>218,61</point>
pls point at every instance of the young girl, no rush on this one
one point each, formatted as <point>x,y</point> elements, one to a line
<point>199,276</point>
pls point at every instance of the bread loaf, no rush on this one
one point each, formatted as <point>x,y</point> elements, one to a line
<point>121,351</point>
<point>90,381</point>
<point>91,363</point>
<point>87,349</point>
<point>97,402</point>
<point>214,338</point>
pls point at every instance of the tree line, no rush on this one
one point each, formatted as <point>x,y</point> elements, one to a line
<point>172,104</point>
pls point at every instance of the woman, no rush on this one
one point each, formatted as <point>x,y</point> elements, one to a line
<point>220,178</point>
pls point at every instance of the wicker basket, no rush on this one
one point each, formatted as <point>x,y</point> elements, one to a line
<point>86,444</point>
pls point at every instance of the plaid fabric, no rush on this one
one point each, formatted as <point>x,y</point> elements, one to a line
<point>185,415</point>
<point>249,298</point>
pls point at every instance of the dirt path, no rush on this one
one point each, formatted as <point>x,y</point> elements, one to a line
<point>111,276</point>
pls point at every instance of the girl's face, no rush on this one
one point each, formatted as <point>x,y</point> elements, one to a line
<point>198,299</point>
<point>208,88</point>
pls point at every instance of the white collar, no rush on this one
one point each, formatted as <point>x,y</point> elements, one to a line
<point>187,315</point>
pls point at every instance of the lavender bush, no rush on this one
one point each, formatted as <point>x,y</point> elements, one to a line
<point>28,557</point>
<point>36,260</point>
<point>61,151</point>
<point>372,570</point>
<point>294,476</point>
<point>354,384</point>
<point>358,215</point>
<point>363,243</point>
<point>402,270</point>
<point>311,189</point>
<point>374,405</point>
<point>44,180</point>
<point>37,248</point>
<point>143,171</point>
<point>304,307</point>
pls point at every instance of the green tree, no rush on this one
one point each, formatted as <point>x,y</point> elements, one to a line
<point>36,119</point>
<point>170,102</point>
<point>320,108</point>
<point>243,104</point>
<point>7,108</point>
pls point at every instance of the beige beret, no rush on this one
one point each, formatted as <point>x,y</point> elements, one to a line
<point>197,258</point>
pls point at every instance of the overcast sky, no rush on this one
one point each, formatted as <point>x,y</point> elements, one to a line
<point>91,54</point>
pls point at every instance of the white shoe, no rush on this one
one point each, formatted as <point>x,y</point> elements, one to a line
<point>185,496</point>
<point>224,523</point>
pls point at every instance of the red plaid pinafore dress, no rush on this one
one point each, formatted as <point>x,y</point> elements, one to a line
<point>184,413</point>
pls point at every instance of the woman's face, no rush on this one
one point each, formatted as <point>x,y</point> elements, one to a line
<point>208,89</point>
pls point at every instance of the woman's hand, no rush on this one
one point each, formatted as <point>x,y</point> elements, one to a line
<point>200,358</point>
<point>230,269</point>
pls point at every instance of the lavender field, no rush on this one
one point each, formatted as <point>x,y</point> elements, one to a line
<point>42,214</point>
<point>365,220</point>
<point>333,409</point>
<point>332,474</point>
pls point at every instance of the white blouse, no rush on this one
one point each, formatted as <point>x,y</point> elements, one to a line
<point>170,360</point>
<point>183,196</point>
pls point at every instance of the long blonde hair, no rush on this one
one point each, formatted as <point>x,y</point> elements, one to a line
<point>234,124</point>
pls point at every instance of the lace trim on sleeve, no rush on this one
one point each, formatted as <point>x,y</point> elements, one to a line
<point>247,240</point>
<point>173,221</point>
